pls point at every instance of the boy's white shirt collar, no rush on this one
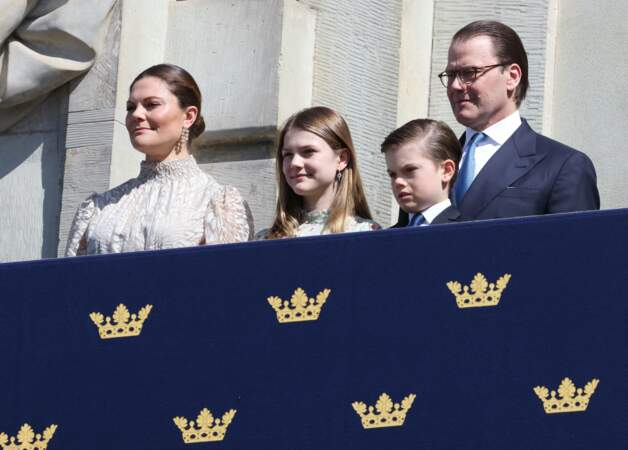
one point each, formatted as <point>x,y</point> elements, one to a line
<point>432,212</point>
<point>501,131</point>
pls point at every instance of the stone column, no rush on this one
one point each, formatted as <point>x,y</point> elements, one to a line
<point>31,172</point>
<point>254,64</point>
<point>590,95</point>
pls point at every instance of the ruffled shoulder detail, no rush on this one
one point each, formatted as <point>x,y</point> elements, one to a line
<point>76,240</point>
<point>228,218</point>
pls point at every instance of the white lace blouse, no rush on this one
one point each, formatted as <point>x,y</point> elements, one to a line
<point>170,204</point>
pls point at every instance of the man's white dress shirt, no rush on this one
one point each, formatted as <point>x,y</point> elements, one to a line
<point>432,212</point>
<point>496,135</point>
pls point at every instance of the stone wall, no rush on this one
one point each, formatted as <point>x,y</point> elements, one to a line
<point>590,97</point>
<point>57,155</point>
<point>31,169</point>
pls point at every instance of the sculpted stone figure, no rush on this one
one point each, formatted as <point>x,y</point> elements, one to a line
<point>44,44</point>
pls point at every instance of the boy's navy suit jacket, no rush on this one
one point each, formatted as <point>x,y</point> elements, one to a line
<point>530,175</point>
<point>449,215</point>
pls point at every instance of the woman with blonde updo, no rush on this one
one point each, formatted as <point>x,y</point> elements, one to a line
<point>172,202</point>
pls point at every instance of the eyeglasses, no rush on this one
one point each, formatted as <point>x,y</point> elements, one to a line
<point>466,76</point>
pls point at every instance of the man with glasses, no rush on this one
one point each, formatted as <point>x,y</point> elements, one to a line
<point>507,169</point>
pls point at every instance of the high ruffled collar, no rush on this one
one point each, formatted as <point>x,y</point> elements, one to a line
<point>169,169</point>
<point>316,216</point>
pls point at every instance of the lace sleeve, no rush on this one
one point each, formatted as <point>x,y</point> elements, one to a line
<point>76,240</point>
<point>228,218</point>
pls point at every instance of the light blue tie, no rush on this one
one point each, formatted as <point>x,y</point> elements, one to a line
<point>416,220</point>
<point>467,171</point>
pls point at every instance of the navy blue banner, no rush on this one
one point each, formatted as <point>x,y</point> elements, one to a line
<point>382,319</point>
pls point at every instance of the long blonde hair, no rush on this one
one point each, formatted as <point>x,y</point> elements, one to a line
<point>349,199</point>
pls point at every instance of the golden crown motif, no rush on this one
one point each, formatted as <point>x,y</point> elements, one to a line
<point>570,399</point>
<point>27,439</point>
<point>388,414</point>
<point>124,324</point>
<point>480,293</point>
<point>206,429</point>
<point>299,309</point>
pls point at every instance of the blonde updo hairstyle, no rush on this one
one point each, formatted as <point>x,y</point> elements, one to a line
<point>181,84</point>
<point>349,199</point>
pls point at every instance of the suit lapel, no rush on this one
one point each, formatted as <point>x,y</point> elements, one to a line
<point>449,215</point>
<point>512,161</point>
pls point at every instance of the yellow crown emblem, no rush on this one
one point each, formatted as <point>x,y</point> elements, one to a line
<point>206,428</point>
<point>388,414</point>
<point>480,293</point>
<point>299,309</point>
<point>123,324</point>
<point>27,439</point>
<point>570,399</point>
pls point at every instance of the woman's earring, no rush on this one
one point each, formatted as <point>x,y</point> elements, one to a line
<point>183,140</point>
<point>338,176</point>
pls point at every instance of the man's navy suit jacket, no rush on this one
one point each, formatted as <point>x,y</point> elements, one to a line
<point>529,175</point>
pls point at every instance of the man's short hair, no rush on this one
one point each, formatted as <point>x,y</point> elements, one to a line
<point>508,48</point>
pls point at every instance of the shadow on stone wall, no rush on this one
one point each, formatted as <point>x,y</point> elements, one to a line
<point>31,177</point>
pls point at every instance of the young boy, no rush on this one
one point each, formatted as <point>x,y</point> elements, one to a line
<point>422,159</point>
